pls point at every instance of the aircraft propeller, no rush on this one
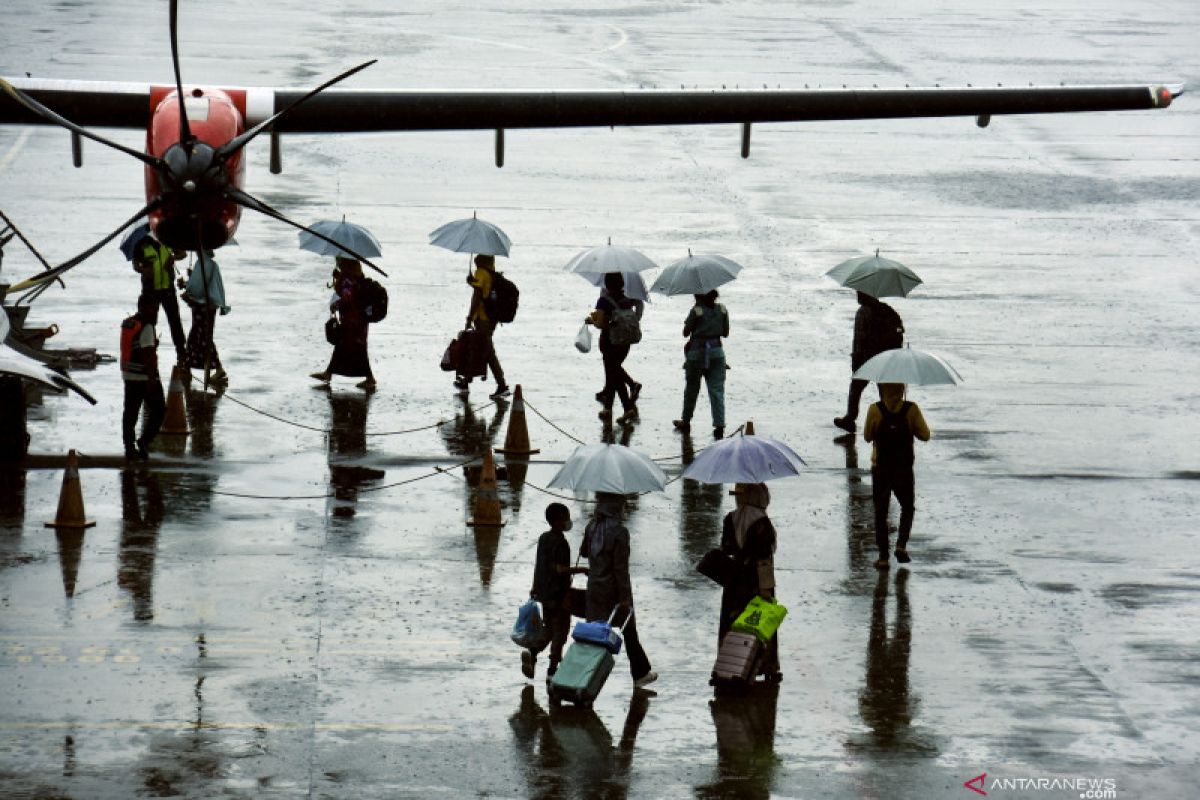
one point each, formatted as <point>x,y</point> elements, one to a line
<point>189,170</point>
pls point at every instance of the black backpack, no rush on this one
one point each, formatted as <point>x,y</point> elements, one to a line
<point>501,304</point>
<point>373,299</point>
<point>887,329</point>
<point>893,437</point>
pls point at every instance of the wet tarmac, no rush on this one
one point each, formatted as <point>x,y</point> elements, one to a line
<point>208,638</point>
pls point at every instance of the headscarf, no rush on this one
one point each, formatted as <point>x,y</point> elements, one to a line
<point>607,520</point>
<point>752,501</point>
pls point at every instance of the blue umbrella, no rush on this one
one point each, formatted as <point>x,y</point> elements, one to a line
<point>472,235</point>
<point>134,238</point>
<point>347,234</point>
<point>745,458</point>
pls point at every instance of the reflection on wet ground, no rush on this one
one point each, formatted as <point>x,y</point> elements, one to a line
<point>569,752</point>
<point>746,758</point>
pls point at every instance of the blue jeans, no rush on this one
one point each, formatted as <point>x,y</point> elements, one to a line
<point>714,378</point>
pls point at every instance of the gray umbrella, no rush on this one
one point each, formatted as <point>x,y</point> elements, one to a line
<point>876,276</point>
<point>472,235</point>
<point>347,234</point>
<point>696,275</point>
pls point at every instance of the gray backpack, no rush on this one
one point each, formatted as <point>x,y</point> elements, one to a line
<point>623,326</point>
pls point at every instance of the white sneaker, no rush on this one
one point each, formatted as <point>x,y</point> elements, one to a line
<point>647,679</point>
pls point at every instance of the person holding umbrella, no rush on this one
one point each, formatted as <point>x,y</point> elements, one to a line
<point>156,264</point>
<point>877,326</point>
<point>749,539</point>
<point>478,317</point>
<point>614,349</point>
<point>606,547</point>
<point>350,350</point>
<point>891,426</point>
<point>704,358</point>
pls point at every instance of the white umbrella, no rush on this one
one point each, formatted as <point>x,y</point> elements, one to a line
<point>609,468</point>
<point>472,235</point>
<point>696,275</point>
<point>609,258</point>
<point>745,458</point>
<point>356,237</point>
<point>596,262</point>
<point>906,365</point>
<point>876,276</point>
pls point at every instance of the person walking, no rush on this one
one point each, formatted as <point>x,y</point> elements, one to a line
<point>205,295</point>
<point>891,426</point>
<point>478,318</point>
<point>748,538</point>
<point>877,327</point>
<point>704,358</point>
<point>156,264</point>
<point>350,351</point>
<point>616,337</point>
<point>633,387</point>
<point>606,547</point>
<point>552,573</point>
<point>139,373</point>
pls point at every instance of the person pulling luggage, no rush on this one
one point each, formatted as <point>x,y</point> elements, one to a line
<point>749,539</point>
<point>606,547</point>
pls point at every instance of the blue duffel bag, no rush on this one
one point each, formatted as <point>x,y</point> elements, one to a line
<point>601,632</point>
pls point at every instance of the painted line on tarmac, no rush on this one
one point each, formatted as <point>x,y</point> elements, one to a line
<point>15,149</point>
<point>381,727</point>
<point>621,42</point>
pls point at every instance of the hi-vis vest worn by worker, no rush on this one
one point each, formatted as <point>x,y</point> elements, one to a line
<point>162,271</point>
<point>136,364</point>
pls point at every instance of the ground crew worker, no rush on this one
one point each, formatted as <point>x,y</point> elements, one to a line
<point>891,425</point>
<point>156,263</point>
<point>139,371</point>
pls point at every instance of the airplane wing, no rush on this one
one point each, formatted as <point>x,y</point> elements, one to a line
<point>128,105</point>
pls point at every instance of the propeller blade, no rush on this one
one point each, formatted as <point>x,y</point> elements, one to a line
<point>238,142</point>
<point>254,204</point>
<point>41,281</point>
<point>185,130</point>
<point>50,116</point>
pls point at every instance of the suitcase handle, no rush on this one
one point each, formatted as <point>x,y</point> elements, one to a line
<point>613,616</point>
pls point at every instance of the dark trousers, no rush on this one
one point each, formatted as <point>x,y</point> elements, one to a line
<point>558,620</point>
<point>138,393</point>
<point>639,664</point>
<point>886,481</point>
<point>856,390</point>
<point>170,304</point>
<point>616,379</point>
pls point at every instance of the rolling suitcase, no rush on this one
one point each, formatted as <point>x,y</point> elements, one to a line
<point>737,661</point>
<point>581,674</point>
<point>473,354</point>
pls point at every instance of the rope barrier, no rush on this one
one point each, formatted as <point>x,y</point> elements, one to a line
<point>532,408</point>
<point>361,490</point>
<point>269,415</point>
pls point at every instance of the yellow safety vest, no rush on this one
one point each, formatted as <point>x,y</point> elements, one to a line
<point>162,270</point>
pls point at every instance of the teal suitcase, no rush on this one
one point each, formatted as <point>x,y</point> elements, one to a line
<point>581,675</point>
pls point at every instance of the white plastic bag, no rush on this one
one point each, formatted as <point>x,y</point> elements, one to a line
<point>583,340</point>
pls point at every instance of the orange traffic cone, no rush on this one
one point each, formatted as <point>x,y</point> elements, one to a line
<point>487,501</point>
<point>175,419</point>
<point>516,441</point>
<point>70,499</point>
<point>749,429</point>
